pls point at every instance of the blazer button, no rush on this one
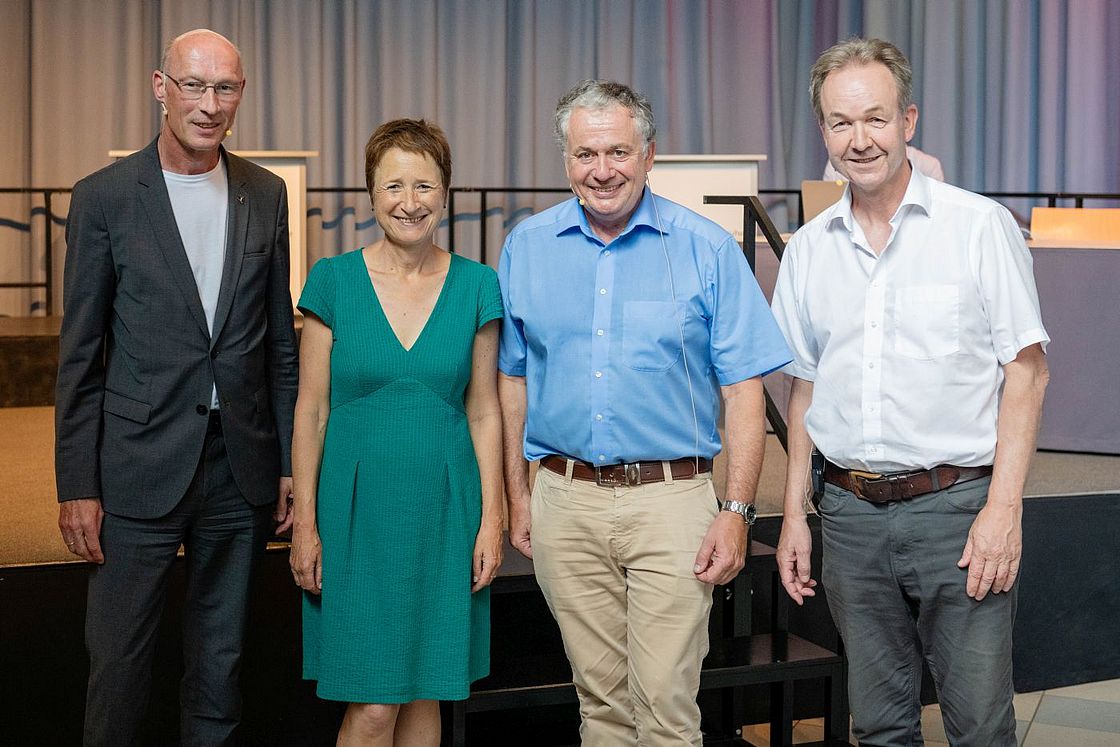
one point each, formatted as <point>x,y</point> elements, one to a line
<point>202,409</point>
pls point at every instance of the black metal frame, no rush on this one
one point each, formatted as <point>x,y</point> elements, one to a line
<point>48,258</point>
<point>738,657</point>
<point>753,214</point>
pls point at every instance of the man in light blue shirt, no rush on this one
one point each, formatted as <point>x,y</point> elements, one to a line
<point>627,316</point>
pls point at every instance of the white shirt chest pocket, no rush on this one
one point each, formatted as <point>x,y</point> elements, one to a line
<point>651,338</point>
<point>927,321</point>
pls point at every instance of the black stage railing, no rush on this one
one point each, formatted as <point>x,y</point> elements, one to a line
<point>756,217</point>
<point>453,215</point>
<point>48,260</point>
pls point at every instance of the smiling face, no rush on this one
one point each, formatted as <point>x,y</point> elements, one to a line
<point>864,131</point>
<point>407,196</point>
<point>193,130</point>
<point>606,166</point>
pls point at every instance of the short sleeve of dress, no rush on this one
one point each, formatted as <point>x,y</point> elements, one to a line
<point>489,298</point>
<point>318,292</point>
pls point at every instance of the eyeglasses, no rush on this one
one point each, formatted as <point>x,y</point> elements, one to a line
<point>193,90</point>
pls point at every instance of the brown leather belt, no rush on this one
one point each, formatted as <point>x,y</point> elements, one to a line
<point>900,486</point>
<point>635,473</point>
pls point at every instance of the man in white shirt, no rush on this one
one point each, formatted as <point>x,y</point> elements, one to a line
<point>911,310</point>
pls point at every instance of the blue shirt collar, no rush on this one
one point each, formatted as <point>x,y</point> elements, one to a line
<point>574,217</point>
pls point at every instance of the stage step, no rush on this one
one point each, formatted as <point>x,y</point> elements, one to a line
<point>28,360</point>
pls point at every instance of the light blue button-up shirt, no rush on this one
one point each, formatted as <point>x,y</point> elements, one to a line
<point>597,328</point>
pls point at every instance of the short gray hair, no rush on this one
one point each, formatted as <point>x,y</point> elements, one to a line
<point>602,94</point>
<point>856,51</point>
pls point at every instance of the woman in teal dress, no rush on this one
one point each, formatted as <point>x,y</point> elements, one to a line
<point>397,457</point>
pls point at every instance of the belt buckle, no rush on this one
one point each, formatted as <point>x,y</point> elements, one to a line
<point>861,479</point>
<point>631,475</point>
<point>894,480</point>
<point>603,479</point>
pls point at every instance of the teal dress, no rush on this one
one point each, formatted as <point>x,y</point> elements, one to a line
<point>399,501</point>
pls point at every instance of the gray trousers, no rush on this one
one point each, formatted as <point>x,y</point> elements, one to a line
<point>223,536</point>
<point>898,597</point>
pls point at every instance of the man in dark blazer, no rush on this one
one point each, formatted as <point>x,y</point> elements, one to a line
<point>176,386</point>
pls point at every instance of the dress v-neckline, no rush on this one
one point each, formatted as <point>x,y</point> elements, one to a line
<point>385,317</point>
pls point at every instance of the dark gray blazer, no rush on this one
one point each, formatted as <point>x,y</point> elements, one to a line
<point>136,363</point>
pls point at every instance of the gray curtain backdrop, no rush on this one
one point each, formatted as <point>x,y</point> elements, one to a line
<point>1013,94</point>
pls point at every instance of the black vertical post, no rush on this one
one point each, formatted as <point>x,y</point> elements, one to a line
<point>748,234</point>
<point>451,222</point>
<point>482,226</point>
<point>48,262</point>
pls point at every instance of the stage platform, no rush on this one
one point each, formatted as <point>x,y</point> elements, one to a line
<point>29,533</point>
<point>28,360</point>
<point>1062,635</point>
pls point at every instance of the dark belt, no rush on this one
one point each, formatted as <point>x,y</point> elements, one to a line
<point>900,486</point>
<point>214,423</point>
<point>634,473</point>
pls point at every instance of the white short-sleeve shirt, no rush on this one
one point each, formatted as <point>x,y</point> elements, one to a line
<point>905,350</point>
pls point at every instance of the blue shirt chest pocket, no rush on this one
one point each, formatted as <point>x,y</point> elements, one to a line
<point>651,335</point>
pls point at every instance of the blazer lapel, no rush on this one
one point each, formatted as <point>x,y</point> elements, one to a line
<point>157,204</point>
<point>237,228</point>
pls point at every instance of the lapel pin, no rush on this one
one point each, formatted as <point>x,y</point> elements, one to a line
<point>241,199</point>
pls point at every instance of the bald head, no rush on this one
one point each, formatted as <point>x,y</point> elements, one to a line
<point>199,86</point>
<point>196,43</point>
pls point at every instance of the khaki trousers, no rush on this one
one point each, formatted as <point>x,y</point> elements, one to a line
<point>615,565</point>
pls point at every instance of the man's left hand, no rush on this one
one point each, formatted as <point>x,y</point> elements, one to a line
<point>723,552</point>
<point>993,550</point>
<point>283,513</point>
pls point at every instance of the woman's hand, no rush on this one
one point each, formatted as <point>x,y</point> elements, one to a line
<point>306,559</point>
<point>487,555</point>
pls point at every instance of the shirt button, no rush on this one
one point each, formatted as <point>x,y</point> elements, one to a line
<point>598,374</point>
<point>598,416</point>
<point>874,325</point>
<point>871,365</point>
<point>602,291</point>
<point>599,332</point>
<point>602,457</point>
<point>607,253</point>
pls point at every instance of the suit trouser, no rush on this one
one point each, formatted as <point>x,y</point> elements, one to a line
<point>615,566</point>
<point>223,536</point>
<point>898,597</point>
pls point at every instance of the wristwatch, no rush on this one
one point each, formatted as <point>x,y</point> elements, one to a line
<point>746,510</point>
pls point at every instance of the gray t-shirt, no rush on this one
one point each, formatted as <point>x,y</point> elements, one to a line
<point>200,203</point>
